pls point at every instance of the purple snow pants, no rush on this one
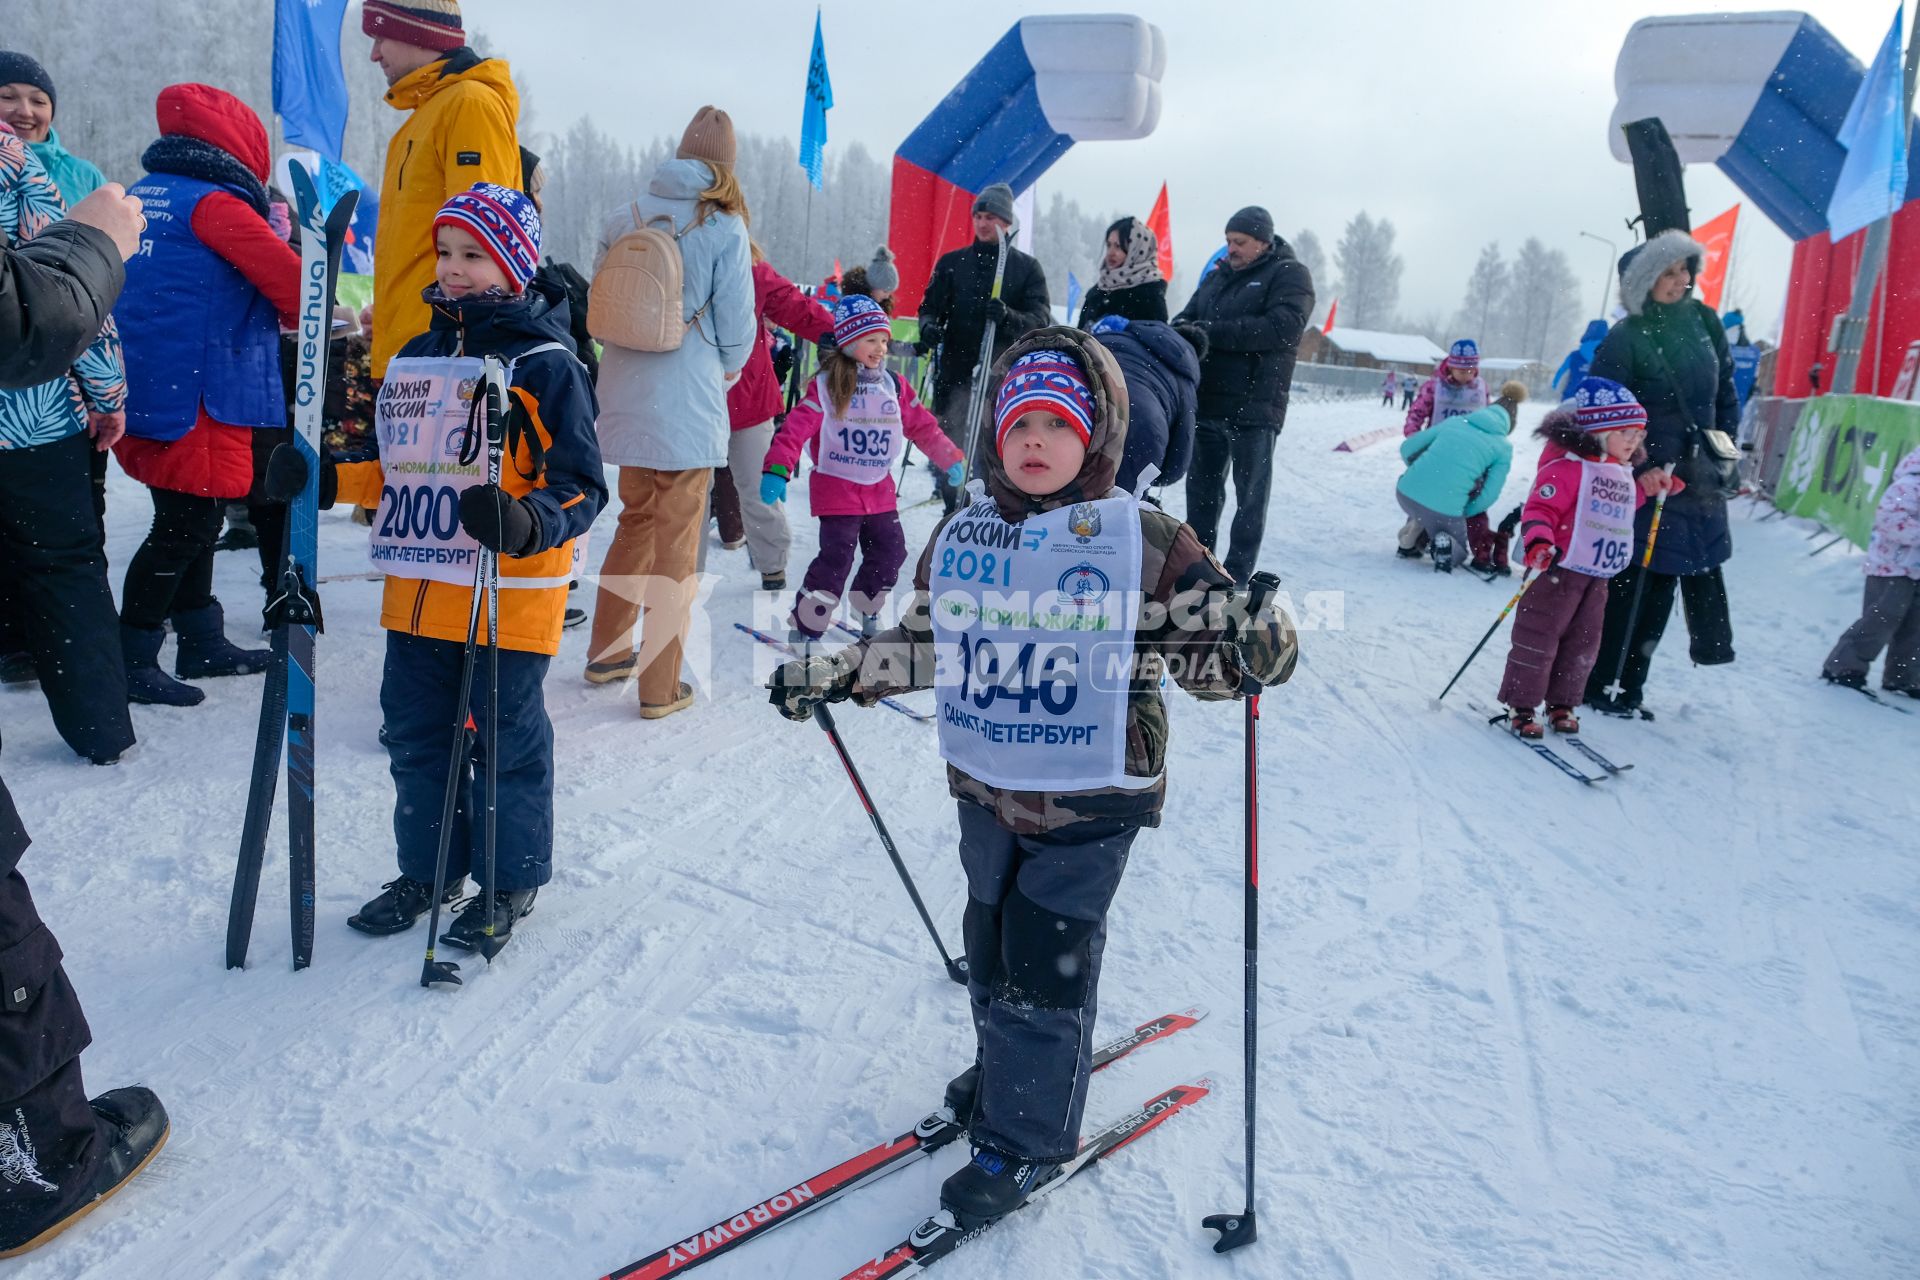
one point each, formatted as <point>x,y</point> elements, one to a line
<point>1556,637</point>
<point>883,549</point>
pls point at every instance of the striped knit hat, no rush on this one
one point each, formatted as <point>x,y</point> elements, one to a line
<point>502,219</point>
<point>854,317</point>
<point>1044,382</point>
<point>1601,404</point>
<point>424,24</point>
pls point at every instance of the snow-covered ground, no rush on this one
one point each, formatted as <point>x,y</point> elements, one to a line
<point>1666,1027</point>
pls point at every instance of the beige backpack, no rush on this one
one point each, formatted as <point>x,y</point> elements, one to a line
<point>638,293</point>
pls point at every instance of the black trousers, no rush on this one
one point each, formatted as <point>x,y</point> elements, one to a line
<point>269,519</point>
<point>1248,453</point>
<point>173,569</point>
<point>55,603</point>
<point>1703,597</point>
<point>54,1144</point>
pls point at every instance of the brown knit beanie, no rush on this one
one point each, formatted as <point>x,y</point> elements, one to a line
<point>708,137</point>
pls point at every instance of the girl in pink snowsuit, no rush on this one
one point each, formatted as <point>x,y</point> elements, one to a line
<point>1455,388</point>
<point>1577,529</point>
<point>854,421</point>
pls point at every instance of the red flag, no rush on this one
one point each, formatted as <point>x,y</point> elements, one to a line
<point>835,277</point>
<point>1332,311</point>
<point>1717,237</point>
<point>1160,222</point>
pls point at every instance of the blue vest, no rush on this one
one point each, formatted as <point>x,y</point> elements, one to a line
<point>195,331</point>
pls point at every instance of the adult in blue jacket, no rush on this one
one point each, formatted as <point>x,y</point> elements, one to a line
<point>1455,472</point>
<point>1161,364</point>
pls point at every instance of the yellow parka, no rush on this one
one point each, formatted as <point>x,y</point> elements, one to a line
<point>461,130</point>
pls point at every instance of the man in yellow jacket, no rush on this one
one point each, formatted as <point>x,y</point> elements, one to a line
<point>461,130</point>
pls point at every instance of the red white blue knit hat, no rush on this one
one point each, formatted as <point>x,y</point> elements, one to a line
<point>424,24</point>
<point>854,317</point>
<point>1044,382</point>
<point>1601,404</point>
<point>503,220</point>
<point>1464,354</point>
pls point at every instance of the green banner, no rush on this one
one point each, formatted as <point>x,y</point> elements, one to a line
<point>1842,458</point>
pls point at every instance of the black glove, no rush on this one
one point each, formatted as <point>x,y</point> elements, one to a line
<point>804,683</point>
<point>498,521</point>
<point>286,476</point>
<point>932,333</point>
<point>997,311</point>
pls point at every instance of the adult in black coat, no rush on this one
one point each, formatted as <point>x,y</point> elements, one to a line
<point>1672,353</point>
<point>957,305</point>
<point>1253,307</point>
<point>64,1152</point>
<point>1130,283</point>
<point>1162,367</point>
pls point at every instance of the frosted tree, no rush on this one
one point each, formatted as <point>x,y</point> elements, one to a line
<point>1369,272</point>
<point>1313,256</point>
<point>1480,316</point>
<point>1542,303</point>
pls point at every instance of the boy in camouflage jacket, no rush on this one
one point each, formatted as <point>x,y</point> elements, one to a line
<point>1043,860</point>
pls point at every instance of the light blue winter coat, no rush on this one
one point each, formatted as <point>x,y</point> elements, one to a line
<point>1459,467</point>
<point>667,410</point>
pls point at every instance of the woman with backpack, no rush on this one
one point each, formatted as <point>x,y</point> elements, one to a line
<point>664,374</point>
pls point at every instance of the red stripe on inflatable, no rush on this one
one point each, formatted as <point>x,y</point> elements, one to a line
<point>929,216</point>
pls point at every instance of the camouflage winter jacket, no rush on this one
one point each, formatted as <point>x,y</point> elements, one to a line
<point>1189,618</point>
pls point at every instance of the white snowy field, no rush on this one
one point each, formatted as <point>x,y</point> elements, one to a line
<point>1511,1027</point>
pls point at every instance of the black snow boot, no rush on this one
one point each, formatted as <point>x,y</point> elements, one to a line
<point>962,1090</point>
<point>1442,553</point>
<point>1847,679</point>
<point>133,1127</point>
<point>205,650</point>
<point>469,930</point>
<point>146,682</point>
<point>400,902</point>
<point>992,1185</point>
<point>18,669</point>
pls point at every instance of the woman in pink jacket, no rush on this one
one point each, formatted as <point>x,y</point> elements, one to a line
<point>753,404</point>
<point>854,419</point>
<point>1578,532</point>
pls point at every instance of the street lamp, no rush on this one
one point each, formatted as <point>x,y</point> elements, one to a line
<point>1606,281</point>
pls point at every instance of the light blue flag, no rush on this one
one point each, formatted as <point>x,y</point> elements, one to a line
<point>813,121</point>
<point>309,86</point>
<point>1073,292</point>
<point>1873,181</point>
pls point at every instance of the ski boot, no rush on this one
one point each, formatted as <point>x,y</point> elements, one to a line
<point>400,902</point>
<point>1563,720</point>
<point>992,1185</point>
<point>205,651</point>
<point>1522,724</point>
<point>962,1090</point>
<point>774,581</point>
<point>1442,553</point>
<point>133,1127</point>
<point>1625,706</point>
<point>18,670</point>
<point>1847,680</point>
<point>146,682</point>
<point>469,929</point>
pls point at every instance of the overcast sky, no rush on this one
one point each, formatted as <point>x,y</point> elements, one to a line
<point>1463,122</point>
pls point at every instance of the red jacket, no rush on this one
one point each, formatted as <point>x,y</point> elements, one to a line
<point>755,398</point>
<point>213,459</point>
<point>1554,500</point>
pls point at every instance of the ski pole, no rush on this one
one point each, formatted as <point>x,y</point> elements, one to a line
<point>1615,689</point>
<point>1242,1228</point>
<point>977,406</point>
<point>956,969</point>
<point>1526,580</point>
<point>495,383</point>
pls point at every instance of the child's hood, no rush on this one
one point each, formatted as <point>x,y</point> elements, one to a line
<point>1104,451</point>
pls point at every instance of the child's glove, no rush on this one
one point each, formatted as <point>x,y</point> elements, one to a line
<point>498,521</point>
<point>773,488</point>
<point>1540,557</point>
<point>801,685</point>
<point>955,474</point>
<point>286,476</point>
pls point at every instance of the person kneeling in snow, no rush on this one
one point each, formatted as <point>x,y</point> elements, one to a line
<point>1023,599</point>
<point>1455,472</point>
<point>1578,532</point>
<point>433,461</point>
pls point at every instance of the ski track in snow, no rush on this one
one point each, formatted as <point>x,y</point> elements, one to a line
<point>1664,1027</point>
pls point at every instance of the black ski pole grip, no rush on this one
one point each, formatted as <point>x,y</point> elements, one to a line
<point>1261,588</point>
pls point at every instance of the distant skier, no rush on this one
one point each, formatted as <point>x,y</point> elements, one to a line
<point>1454,389</point>
<point>1408,389</point>
<point>430,469</point>
<point>854,421</point>
<point>1578,533</point>
<point>1388,386</point>
<point>1890,614</point>
<point>1055,773</point>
